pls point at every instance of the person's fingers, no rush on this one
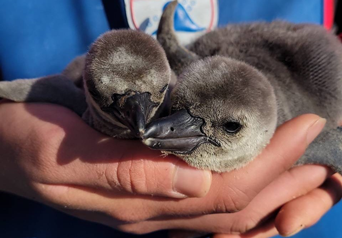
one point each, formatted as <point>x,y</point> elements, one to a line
<point>305,211</point>
<point>290,184</point>
<point>113,210</point>
<point>233,191</point>
<point>132,168</point>
<point>79,153</point>
<point>300,213</point>
<point>85,157</point>
<point>267,230</point>
<point>69,152</point>
<point>226,195</point>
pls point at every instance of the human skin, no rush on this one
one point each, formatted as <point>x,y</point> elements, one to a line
<point>263,217</point>
<point>48,154</point>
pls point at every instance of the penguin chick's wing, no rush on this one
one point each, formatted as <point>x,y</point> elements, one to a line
<point>55,89</point>
<point>74,70</point>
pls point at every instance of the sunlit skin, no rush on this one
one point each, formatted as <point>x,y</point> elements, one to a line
<point>51,159</point>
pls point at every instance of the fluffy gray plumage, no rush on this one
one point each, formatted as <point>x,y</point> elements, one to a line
<point>51,89</point>
<point>258,75</point>
<point>119,62</point>
<point>235,86</point>
<point>123,65</point>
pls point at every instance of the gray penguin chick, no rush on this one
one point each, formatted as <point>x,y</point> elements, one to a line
<point>237,84</point>
<point>126,79</point>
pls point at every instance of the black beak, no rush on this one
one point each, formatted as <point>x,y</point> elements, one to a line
<point>180,133</point>
<point>138,108</point>
<point>132,109</point>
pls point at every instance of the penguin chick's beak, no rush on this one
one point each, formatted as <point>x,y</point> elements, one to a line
<point>179,133</point>
<point>133,110</point>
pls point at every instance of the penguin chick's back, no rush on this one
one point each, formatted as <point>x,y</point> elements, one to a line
<point>302,62</point>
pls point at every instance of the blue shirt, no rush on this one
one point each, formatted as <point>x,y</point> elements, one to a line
<point>40,37</point>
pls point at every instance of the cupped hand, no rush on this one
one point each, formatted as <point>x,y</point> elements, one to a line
<point>300,213</point>
<point>50,155</point>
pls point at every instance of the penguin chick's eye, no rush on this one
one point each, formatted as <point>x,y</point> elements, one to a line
<point>232,127</point>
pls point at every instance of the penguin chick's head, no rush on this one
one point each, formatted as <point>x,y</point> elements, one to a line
<point>224,115</point>
<point>126,78</point>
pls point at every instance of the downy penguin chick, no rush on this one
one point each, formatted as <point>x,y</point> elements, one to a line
<point>126,77</point>
<point>126,81</point>
<point>236,84</point>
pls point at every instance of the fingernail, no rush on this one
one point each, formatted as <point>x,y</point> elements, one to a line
<point>301,227</point>
<point>191,182</point>
<point>315,129</point>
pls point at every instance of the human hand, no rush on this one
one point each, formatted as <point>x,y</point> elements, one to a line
<point>263,218</point>
<point>257,219</point>
<point>295,200</point>
<point>50,145</point>
<point>52,156</point>
<point>301,212</point>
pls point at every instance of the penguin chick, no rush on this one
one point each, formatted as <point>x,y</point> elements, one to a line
<point>74,70</point>
<point>239,83</point>
<point>125,78</point>
<point>214,119</point>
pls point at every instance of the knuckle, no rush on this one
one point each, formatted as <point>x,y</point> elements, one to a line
<point>245,224</point>
<point>50,133</point>
<point>233,200</point>
<point>111,175</point>
<point>49,138</point>
<point>129,175</point>
<point>284,161</point>
<point>41,148</point>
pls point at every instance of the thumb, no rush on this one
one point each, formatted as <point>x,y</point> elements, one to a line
<point>124,166</point>
<point>72,153</point>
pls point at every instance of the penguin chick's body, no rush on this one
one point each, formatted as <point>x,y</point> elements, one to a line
<point>243,80</point>
<point>302,62</point>
<point>126,77</point>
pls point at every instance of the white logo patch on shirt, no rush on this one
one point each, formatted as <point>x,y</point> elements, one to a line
<point>193,18</point>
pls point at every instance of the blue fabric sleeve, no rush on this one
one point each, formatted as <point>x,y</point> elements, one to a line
<point>41,37</point>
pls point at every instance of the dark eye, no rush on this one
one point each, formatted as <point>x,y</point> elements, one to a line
<point>232,127</point>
